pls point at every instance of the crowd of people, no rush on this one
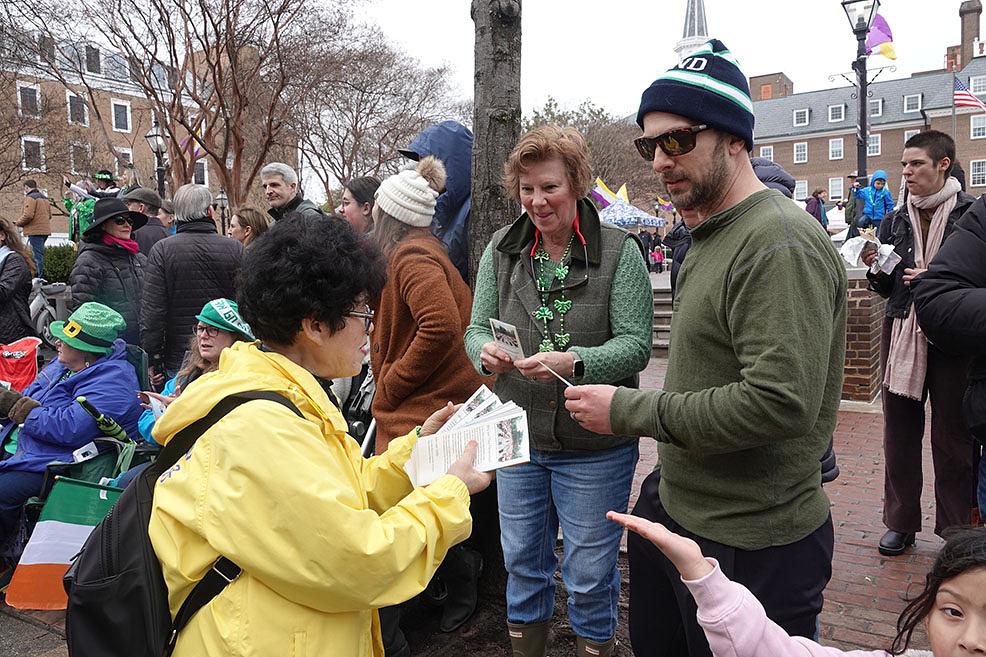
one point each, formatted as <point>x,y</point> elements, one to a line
<point>731,538</point>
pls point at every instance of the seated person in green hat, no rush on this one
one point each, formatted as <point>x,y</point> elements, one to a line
<point>45,423</point>
<point>219,326</point>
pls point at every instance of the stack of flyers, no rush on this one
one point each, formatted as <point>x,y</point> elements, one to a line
<point>499,429</point>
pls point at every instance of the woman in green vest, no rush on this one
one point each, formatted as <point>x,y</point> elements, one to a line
<point>580,297</point>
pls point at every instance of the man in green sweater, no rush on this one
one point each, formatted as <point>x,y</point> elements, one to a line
<point>754,371</point>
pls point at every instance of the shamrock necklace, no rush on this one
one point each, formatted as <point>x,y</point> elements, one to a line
<point>562,305</point>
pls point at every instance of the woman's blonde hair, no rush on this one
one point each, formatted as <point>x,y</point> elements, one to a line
<point>548,142</point>
<point>13,240</point>
<point>251,217</point>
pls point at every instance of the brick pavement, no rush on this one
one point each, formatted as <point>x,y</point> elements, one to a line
<point>864,597</point>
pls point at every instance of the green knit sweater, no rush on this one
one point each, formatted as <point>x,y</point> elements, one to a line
<point>631,309</point>
<point>754,377</point>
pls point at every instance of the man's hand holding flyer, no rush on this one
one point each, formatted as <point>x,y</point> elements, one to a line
<point>500,432</point>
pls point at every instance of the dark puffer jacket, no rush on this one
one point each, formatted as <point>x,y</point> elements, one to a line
<point>150,234</point>
<point>111,276</point>
<point>184,272</point>
<point>896,229</point>
<point>15,288</point>
<point>950,300</point>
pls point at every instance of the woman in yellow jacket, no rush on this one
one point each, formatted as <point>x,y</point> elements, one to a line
<point>323,536</point>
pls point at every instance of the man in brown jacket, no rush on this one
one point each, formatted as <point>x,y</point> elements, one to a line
<point>35,221</point>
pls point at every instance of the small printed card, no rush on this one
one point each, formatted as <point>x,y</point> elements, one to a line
<point>506,338</point>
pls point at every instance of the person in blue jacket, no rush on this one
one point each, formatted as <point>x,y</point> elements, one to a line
<point>45,423</point>
<point>450,142</point>
<point>878,202</point>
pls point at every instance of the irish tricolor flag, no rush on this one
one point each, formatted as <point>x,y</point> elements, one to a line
<point>71,512</point>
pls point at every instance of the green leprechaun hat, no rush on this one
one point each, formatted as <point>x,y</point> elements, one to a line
<point>92,327</point>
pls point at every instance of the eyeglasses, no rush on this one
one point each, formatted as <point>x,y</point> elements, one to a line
<point>365,315</point>
<point>211,331</point>
<point>673,142</point>
<point>119,221</point>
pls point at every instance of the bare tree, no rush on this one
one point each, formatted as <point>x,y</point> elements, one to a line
<point>373,100</point>
<point>221,76</point>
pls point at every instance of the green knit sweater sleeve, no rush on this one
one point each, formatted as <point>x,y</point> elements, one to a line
<point>631,322</point>
<point>484,305</point>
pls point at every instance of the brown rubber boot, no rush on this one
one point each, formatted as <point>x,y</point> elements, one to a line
<point>586,648</point>
<point>529,640</point>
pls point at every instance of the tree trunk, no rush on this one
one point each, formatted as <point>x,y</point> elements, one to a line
<point>496,119</point>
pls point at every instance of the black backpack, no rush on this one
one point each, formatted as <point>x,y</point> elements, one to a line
<point>117,597</point>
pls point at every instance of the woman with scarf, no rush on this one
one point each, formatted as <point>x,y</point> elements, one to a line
<point>914,369</point>
<point>109,269</point>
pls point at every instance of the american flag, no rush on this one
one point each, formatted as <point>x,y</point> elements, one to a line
<point>965,98</point>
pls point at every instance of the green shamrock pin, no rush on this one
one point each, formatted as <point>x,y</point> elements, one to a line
<point>561,271</point>
<point>563,339</point>
<point>563,305</point>
<point>541,254</point>
<point>544,314</point>
<point>546,345</point>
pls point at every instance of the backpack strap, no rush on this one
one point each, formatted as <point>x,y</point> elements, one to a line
<point>223,571</point>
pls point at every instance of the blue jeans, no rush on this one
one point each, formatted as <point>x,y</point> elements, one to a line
<point>37,243</point>
<point>575,490</point>
<point>15,489</point>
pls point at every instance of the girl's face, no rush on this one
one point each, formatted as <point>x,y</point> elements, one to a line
<point>357,214</point>
<point>957,623</point>
<point>237,231</point>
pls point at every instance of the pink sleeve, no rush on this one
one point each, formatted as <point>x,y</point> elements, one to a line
<point>736,624</point>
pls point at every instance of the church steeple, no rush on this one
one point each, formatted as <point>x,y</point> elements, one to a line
<point>696,31</point>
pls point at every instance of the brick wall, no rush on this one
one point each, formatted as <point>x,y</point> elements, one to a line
<point>866,312</point>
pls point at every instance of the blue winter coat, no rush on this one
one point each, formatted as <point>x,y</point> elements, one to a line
<point>450,142</point>
<point>876,203</point>
<point>59,426</point>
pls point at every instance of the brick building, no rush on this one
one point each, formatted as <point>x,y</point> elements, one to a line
<point>813,134</point>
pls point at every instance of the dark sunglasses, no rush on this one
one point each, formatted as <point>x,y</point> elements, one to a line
<point>673,142</point>
<point>119,221</point>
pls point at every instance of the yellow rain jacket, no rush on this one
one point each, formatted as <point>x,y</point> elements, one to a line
<point>324,537</point>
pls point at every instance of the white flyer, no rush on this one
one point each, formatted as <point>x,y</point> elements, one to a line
<point>506,338</point>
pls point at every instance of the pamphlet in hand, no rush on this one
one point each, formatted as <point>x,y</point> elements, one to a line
<point>506,338</point>
<point>499,429</point>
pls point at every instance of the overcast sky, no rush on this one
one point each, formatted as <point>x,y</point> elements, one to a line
<point>610,50</point>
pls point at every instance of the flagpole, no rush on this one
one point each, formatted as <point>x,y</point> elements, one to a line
<point>953,105</point>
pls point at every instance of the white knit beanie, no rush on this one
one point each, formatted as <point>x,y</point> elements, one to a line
<point>410,195</point>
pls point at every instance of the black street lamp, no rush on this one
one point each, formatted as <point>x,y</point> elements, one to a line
<point>861,14</point>
<point>159,147</point>
<point>222,202</point>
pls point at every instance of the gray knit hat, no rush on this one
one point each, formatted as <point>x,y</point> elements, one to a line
<point>410,195</point>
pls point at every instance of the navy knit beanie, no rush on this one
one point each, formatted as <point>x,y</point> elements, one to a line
<point>708,87</point>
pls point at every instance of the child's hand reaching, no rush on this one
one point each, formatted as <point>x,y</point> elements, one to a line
<point>683,552</point>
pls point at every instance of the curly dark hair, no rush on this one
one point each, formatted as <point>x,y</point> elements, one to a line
<point>306,267</point>
<point>964,549</point>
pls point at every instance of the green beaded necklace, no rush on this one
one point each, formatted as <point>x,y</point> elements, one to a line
<point>562,305</point>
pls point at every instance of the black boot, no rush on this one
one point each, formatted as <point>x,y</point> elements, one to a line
<point>894,543</point>
<point>394,642</point>
<point>460,571</point>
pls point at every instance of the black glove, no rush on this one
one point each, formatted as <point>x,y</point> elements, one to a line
<point>7,399</point>
<point>21,408</point>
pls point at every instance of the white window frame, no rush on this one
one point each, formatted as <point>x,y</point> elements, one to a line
<point>977,122</point>
<point>910,133</point>
<point>44,167</point>
<point>807,115</point>
<point>879,105</point>
<point>842,113</point>
<point>205,171</point>
<point>837,148</point>
<point>800,190</point>
<point>37,90</point>
<point>130,120</point>
<point>977,82</point>
<point>116,161</point>
<point>916,109</point>
<point>836,182</point>
<point>795,156</point>
<point>71,156</point>
<point>875,145</point>
<point>977,178</point>
<point>767,152</point>
<point>69,95</point>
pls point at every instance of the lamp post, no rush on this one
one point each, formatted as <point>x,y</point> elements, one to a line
<point>860,14</point>
<point>222,202</point>
<point>159,147</point>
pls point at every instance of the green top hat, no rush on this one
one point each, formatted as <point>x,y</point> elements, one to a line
<point>225,314</point>
<point>92,327</point>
